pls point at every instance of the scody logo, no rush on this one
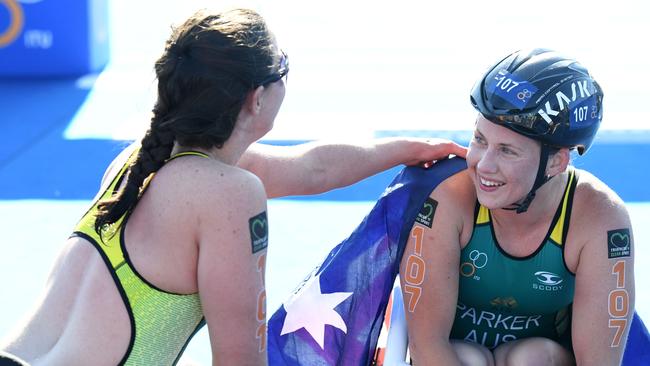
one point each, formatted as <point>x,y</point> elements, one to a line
<point>548,281</point>
<point>580,85</point>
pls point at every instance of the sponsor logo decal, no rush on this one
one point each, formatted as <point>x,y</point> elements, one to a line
<point>618,243</point>
<point>477,260</point>
<point>425,216</point>
<point>548,281</point>
<point>259,230</point>
<point>585,116</point>
<point>517,92</point>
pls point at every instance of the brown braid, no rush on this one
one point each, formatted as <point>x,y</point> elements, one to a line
<point>210,64</point>
<point>156,147</point>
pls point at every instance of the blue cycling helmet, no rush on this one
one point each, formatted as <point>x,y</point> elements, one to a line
<point>543,95</point>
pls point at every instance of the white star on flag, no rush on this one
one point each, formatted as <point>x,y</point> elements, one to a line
<point>312,310</point>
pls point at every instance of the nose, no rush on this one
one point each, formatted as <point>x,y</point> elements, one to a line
<point>487,162</point>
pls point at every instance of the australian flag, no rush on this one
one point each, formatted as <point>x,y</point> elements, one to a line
<point>334,317</point>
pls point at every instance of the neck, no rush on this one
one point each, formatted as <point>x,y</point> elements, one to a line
<point>231,151</point>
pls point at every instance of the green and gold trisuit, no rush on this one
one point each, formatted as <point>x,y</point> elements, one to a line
<point>503,298</point>
<point>162,323</point>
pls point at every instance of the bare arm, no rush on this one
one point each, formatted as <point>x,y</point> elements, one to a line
<point>429,280</point>
<point>604,295</point>
<point>318,167</point>
<point>231,265</point>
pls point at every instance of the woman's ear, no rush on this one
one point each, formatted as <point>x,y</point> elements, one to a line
<point>254,100</point>
<point>557,163</point>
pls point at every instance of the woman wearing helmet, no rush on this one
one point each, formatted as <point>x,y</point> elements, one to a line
<point>523,260</point>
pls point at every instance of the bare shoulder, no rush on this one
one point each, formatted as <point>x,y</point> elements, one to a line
<point>457,187</point>
<point>215,186</point>
<point>596,203</point>
<point>456,193</point>
<point>598,215</point>
<point>455,200</point>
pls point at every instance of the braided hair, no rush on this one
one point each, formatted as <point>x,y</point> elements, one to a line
<point>210,63</point>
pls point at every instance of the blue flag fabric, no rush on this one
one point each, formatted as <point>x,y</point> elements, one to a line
<point>334,317</point>
<point>637,351</point>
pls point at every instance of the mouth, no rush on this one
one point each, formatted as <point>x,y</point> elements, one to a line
<point>489,185</point>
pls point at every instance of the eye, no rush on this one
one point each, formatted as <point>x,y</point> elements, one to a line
<point>508,151</point>
<point>478,139</point>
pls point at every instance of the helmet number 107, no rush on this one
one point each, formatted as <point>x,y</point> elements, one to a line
<point>505,83</point>
<point>581,114</point>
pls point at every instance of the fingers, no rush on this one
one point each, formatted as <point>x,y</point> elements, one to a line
<point>445,148</point>
<point>435,149</point>
<point>458,150</point>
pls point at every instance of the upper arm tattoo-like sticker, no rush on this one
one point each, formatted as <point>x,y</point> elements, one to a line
<point>414,270</point>
<point>261,305</point>
<point>618,304</point>
<point>618,243</point>
<point>428,211</point>
<point>259,229</point>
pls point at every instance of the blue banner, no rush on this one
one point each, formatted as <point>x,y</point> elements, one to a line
<point>53,37</point>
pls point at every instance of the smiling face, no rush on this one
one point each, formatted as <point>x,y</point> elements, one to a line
<point>502,164</point>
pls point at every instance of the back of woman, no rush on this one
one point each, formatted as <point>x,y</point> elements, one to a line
<point>177,235</point>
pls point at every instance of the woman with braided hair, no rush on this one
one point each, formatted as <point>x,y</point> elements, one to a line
<point>177,235</point>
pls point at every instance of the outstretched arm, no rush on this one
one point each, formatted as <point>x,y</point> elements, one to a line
<point>318,167</point>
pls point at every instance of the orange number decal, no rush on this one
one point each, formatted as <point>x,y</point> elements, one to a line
<point>619,304</point>
<point>415,269</point>
<point>261,304</point>
<point>261,335</point>
<point>418,234</point>
<point>415,292</point>
<point>620,325</point>
<point>619,271</point>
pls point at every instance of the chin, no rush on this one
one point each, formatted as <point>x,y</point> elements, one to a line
<point>491,202</point>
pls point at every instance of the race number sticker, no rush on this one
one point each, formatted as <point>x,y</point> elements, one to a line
<point>584,114</point>
<point>415,269</point>
<point>618,243</point>
<point>425,216</point>
<point>618,304</point>
<point>514,91</point>
<point>259,229</point>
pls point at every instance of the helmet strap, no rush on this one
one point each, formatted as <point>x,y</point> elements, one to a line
<point>540,179</point>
